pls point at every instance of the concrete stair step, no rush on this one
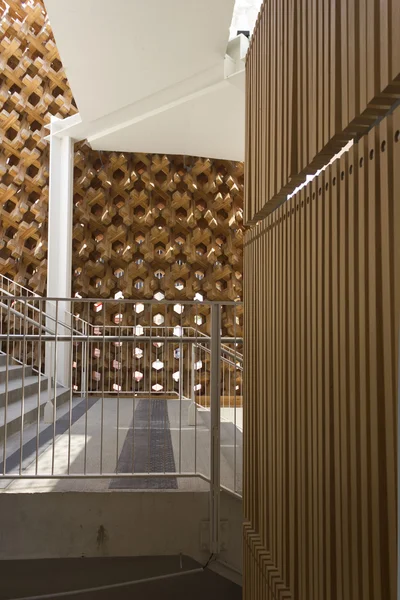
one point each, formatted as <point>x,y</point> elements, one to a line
<point>30,384</point>
<point>30,410</point>
<point>14,372</point>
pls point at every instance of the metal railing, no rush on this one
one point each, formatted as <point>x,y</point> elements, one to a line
<point>144,390</point>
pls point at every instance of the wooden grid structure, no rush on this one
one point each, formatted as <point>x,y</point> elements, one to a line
<point>319,73</point>
<point>145,224</point>
<point>155,227</point>
<point>322,297</point>
<point>33,86</point>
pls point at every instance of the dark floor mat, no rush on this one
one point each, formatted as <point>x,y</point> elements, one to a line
<point>148,446</point>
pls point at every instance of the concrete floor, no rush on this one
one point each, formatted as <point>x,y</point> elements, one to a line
<point>33,577</point>
<point>122,435</point>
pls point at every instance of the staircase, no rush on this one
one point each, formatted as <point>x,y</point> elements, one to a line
<point>33,401</point>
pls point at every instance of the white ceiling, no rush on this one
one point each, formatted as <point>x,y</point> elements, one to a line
<point>152,75</point>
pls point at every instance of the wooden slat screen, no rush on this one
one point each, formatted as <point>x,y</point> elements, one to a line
<point>321,323</point>
<point>319,73</point>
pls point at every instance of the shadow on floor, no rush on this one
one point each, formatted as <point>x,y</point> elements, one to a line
<point>47,576</point>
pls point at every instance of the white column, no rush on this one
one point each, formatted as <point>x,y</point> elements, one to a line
<point>59,252</point>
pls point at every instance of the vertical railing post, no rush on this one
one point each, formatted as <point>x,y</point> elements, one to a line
<point>215,393</point>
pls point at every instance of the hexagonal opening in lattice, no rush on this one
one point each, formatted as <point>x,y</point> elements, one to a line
<point>97,307</point>
<point>139,238</point>
<point>159,202</point>
<point>118,317</point>
<point>180,239</point>
<point>118,175</point>
<point>160,177</point>
<point>199,274</point>
<point>139,211</point>
<point>198,365</point>
<point>139,307</point>
<point>179,284</point>
<point>11,133</point>
<point>202,224</point>
<point>138,258</point>
<point>157,387</point>
<point>96,376</point>
<point>140,167</point>
<point>197,387</point>
<point>201,205</point>
<point>157,364</point>
<point>96,352</point>
<point>139,185</point>
<point>178,331</point>
<point>32,171</point>
<point>221,285</point>
<point>158,344</point>
<point>119,201</point>
<point>138,330</point>
<point>158,319</point>
<point>179,308</point>
<point>159,249</point>
<point>13,62</point>
<point>199,297</point>
<point>118,296</point>
<point>33,99</point>
<point>138,283</point>
<point>177,353</point>
<point>138,376</point>
<point>118,246</point>
<point>97,283</point>
<point>175,376</point>
<point>97,211</point>
<point>116,365</point>
<point>119,273</point>
<point>160,222</point>
<point>117,220</point>
<point>138,353</point>
<point>96,183</point>
<point>181,213</point>
<point>199,319</point>
<point>116,387</point>
<point>78,271</point>
<point>159,296</point>
<point>220,240</point>
<point>201,249</point>
<point>181,259</point>
<point>159,273</point>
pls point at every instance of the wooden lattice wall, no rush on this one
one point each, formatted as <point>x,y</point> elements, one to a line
<point>154,227</point>
<point>150,223</point>
<point>33,86</point>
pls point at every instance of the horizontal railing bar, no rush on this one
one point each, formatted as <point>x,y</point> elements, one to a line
<point>21,315</point>
<point>230,353</point>
<point>100,476</point>
<point>110,338</point>
<point>123,301</point>
<point>231,492</point>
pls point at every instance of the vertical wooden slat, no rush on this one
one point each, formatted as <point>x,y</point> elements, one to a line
<point>323,298</point>
<point>388,382</point>
<point>330,70</point>
<point>373,240</point>
<point>344,371</point>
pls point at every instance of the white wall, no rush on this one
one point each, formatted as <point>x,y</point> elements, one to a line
<point>113,523</point>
